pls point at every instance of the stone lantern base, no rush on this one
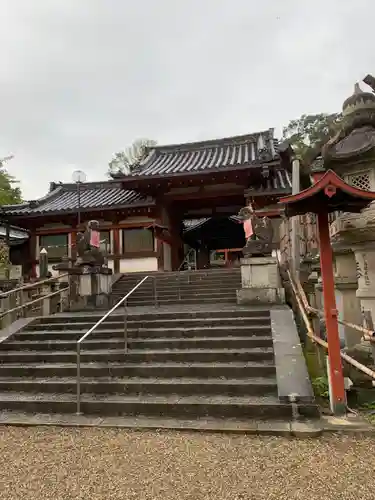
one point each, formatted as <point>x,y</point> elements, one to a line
<point>261,282</point>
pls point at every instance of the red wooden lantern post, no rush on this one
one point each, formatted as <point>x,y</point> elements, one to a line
<point>329,193</point>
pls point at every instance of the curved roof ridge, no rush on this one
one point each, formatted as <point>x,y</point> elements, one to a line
<point>47,197</point>
<point>240,139</point>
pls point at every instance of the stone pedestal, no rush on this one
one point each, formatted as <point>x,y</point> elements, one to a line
<point>261,282</point>
<point>356,232</point>
<point>95,287</point>
<point>348,305</point>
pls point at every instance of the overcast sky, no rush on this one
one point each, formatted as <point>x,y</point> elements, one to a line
<point>81,79</point>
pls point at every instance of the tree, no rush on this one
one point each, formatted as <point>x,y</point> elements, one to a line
<point>309,131</point>
<point>10,193</point>
<point>129,159</point>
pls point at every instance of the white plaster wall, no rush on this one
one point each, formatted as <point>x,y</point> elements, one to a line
<point>55,274</point>
<point>138,265</point>
<point>111,264</point>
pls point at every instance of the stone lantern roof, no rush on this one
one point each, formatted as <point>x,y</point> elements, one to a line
<point>355,141</point>
<point>358,102</point>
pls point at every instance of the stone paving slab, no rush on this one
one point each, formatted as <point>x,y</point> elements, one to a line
<point>15,327</point>
<point>275,427</point>
<point>291,370</point>
<point>299,429</point>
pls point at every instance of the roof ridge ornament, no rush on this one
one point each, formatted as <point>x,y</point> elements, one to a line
<point>357,89</point>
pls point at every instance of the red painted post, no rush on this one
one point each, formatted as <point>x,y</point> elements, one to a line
<point>338,396</point>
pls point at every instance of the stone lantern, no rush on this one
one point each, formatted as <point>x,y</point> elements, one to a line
<point>351,154</point>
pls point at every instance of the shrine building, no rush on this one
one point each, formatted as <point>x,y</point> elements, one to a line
<point>179,197</point>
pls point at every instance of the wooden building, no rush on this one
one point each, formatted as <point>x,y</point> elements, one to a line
<point>209,179</point>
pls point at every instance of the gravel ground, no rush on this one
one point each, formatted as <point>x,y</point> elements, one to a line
<point>64,464</point>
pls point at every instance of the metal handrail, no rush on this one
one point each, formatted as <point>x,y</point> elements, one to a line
<point>31,285</point>
<point>99,322</point>
<point>302,301</point>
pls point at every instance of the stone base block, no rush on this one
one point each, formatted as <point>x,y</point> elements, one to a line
<point>94,284</point>
<point>260,272</point>
<point>260,296</point>
<point>261,282</point>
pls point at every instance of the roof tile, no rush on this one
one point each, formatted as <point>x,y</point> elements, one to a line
<point>198,156</point>
<point>92,195</point>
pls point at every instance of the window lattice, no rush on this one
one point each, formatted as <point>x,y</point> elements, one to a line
<point>360,181</point>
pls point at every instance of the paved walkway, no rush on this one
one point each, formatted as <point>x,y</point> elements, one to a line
<point>104,464</point>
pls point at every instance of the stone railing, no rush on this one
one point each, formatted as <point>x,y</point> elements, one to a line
<point>36,299</point>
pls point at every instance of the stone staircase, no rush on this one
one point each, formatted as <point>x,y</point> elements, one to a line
<point>216,286</point>
<point>195,358</point>
<point>213,364</point>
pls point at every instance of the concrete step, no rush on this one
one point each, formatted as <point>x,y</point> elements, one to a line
<point>235,312</point>
<point>133,356</point>
<point>247,331</point>
<point>307,428</point>
<point>262,407</point>
<point>231,299</point>
<point>139,344</point>
<point>184,294</point>
<point>232,369</point>
<point>176,285</point>
<point>158,386</point>
<point>170,275</point>
<point>118,323</point>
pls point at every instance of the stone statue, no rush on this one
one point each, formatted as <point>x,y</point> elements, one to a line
<point>258,233</point>
<point>88,247</point>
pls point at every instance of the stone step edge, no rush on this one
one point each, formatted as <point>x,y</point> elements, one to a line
<point>298,429</point>
<point>142,340</point>
<point>248,381</point>
<point>250,350</point>
<point>234,319</point>
<point>141,365</point>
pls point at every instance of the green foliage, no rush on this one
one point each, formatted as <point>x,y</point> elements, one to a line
<point>4,255</point>
<point>10,193</point>
<point>309,131</point>
<point>129,159</point>
<point>320,386</point>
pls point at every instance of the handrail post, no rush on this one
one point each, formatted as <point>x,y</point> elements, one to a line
<point>179,287</point>
<point>155,293</point>
<point>125,328</point>
<point>78,410</point>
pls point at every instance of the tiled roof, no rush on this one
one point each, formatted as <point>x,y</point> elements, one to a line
<point>280,182</point>
<point>191,224</point>
<point>64,198</point>
<point>194,157</point>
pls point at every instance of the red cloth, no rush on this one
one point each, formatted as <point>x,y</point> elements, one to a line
<point>248,228</point>
<point>95,239</point>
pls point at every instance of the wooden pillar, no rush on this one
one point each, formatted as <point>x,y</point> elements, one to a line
<point>160,253</point>
<point>116,250</point>
<point>73,243</point>
<point>336,378</point>
<point>32,253</point>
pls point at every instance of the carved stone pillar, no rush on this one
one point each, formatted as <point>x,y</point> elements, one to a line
<point>365,265</point>
<point>348,304</point>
